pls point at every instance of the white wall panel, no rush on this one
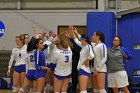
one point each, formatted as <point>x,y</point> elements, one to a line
<point>22,22</point>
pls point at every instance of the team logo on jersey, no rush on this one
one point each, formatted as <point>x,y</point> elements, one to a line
<point>2,29</point>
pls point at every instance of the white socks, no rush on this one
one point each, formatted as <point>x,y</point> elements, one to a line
<point>102,91</point>
<point>83,91</point>
<point>95,90</point>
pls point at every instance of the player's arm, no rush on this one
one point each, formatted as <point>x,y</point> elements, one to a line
<point>126,54</point>
<point>90,57</point>
<point>11,62</point>
<point>12,58</point>
<point>104,55</point>
<point>76,40</point>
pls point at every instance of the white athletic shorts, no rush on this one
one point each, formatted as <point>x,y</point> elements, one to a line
<point>118,79</point>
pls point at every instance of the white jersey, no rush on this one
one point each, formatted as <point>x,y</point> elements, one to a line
<point>18,55</point>
<point>63,60</point>
<point>50,50</point>
<point>85,53</point>
<point>100,59</point>
<point>31,60</point>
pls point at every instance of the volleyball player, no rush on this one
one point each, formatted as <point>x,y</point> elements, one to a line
<point>40,64</point>
<point>30,76</point>
<point>50,52</point>
<point>100,51</point>
<point>86,55</point>
<point>62,72</point>
<point>18,54</point>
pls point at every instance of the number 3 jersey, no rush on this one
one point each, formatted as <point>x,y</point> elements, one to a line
<point>63,60</point>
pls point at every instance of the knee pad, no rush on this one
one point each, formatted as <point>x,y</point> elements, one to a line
<point>95,90</point>
<point>102,91</point>
<point>15,89</point>
<point>83,91</point>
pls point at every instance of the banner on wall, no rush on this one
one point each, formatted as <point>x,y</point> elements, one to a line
<point>2,29</point>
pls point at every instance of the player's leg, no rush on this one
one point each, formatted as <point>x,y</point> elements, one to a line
<point>16,77</point>
<point>22,77</point>
<point>26,86</point>
<point>65,85</point>
<point>34,86</point>
<point>94,84</point>
<point>40,84</point>
<point>57,84</point>
<point>51,78</point>
<point>101,82</point>
<point>83,79</point>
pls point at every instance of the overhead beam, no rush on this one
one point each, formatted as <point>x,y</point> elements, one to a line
<point>119,13</point>
<point>102,5</point>
<point>45,0</point>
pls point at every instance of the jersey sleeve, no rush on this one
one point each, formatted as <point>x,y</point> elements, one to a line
<point>90,51</point>
<point>104,56</point>
<point>78,42</point>
<point>79,36</point>
<point>126,54</point>
<point>48,41</point>
<point>12,58</point>
<point>37,56</point>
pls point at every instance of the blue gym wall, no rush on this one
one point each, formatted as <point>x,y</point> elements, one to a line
<point>102,21</point>
<point>128,30</point>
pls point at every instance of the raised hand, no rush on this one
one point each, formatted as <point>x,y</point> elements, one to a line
<point>75,30</point>
<point>67,34</point>
<point>50,33</point>
<point>55,39</point>
<point>35,30</point>
<point>44,34</point>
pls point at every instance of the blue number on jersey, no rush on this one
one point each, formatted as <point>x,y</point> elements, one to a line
<point>66,59</point>
<point>20,55</point>
<point>32,58</point>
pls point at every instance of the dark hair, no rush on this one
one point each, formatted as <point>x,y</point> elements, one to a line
<point>37,41</point>
<point>31,45</point>
<point>101,36</point>
<point>119,39</point>
<point>87,39</point>
<point>21,38</point>
<point>25,35</point>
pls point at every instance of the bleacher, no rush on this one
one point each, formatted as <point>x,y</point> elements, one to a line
<point>4,60</point>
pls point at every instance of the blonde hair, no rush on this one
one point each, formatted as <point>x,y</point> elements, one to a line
<point>21,38</point>
<point>63,43</point>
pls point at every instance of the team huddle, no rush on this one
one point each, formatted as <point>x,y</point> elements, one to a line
<point>32,65</point>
